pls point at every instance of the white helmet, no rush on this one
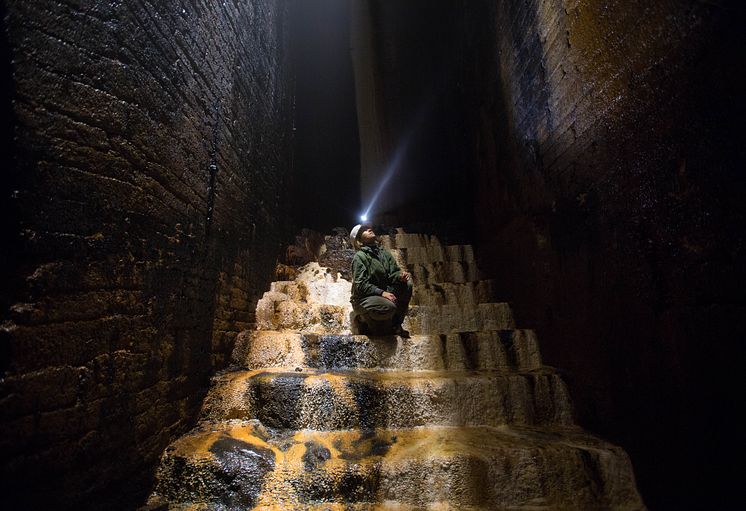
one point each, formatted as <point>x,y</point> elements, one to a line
<point>353,235</point>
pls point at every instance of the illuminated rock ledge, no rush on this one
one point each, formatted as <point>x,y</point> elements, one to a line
<point>461,416</point>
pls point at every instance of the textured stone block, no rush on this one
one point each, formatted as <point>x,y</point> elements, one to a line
<point>313,399</point>
<point>151,143</point>
<point>479,468</point>
<point>316,389</point>
<point>504,349</point>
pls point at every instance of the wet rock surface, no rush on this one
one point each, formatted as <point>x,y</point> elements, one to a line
<point>143,204</point>
<point>338,255</point>
<point>461,415</point>
<point>243,467</point>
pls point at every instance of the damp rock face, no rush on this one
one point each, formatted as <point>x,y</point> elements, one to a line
<point>602,163</point>
<point>138,248</point>
<point>462,415</point>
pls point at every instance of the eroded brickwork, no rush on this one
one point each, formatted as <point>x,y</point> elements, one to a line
<point>151,157</point>
<point>610,212</point>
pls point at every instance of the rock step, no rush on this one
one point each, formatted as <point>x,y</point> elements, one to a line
<point>444,319</point>
<point>314,285</point>
<point>244,465</point>
<point>423,249</point>
<point>338,293</point>
<point>437,254</point>
<point>325,401</point>
<point>449,293</point>
<point>388,505</point>
<point>449,271</point>
<point>278,312</point>
<point>408,240</point>
<point>502,349</point>
<point>281,313</point>
<point>157,503</point>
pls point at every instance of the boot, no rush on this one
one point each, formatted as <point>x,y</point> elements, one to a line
<point>399,330</point>
<point>360,327</point>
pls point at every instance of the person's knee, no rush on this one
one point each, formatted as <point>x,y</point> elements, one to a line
<point>382,315</point>
<point>381,310</point>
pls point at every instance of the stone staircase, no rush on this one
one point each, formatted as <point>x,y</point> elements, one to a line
<point>461,416</point>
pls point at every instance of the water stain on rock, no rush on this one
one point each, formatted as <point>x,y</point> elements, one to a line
<point>243,467</point>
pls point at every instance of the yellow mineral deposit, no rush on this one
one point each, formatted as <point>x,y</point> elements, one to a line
<point>338,384</point>
<point>462,415</point>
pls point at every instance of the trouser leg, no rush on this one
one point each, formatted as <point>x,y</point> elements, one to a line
<point>377,312</point>
<point>403,292</point>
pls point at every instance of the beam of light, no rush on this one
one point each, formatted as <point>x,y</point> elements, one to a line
<point>398,156</point>
<point>386,177</point>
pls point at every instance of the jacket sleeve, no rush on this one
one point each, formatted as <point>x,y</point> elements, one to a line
<point>392,268</point>
<point>361,285</point>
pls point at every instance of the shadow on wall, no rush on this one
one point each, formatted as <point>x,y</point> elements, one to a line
<point>146,214</point>
<point>610,212</point>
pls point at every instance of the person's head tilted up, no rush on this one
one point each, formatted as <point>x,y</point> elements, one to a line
<point>362,235</point>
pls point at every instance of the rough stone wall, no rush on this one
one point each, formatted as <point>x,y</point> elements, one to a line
<point>142,221</point>
<point>610,209</point>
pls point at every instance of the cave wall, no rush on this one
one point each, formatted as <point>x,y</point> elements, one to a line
<point>609,193</point>
<point>594,149</point>
<point>142,219</point>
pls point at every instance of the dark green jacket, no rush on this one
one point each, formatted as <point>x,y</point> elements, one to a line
<point>374,271</point>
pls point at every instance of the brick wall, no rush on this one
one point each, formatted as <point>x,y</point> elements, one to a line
<point>142,220</point>
<point>596,149</point>
<point>609,199</point>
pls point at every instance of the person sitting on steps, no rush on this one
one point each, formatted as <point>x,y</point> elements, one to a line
<point>380,289</point>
